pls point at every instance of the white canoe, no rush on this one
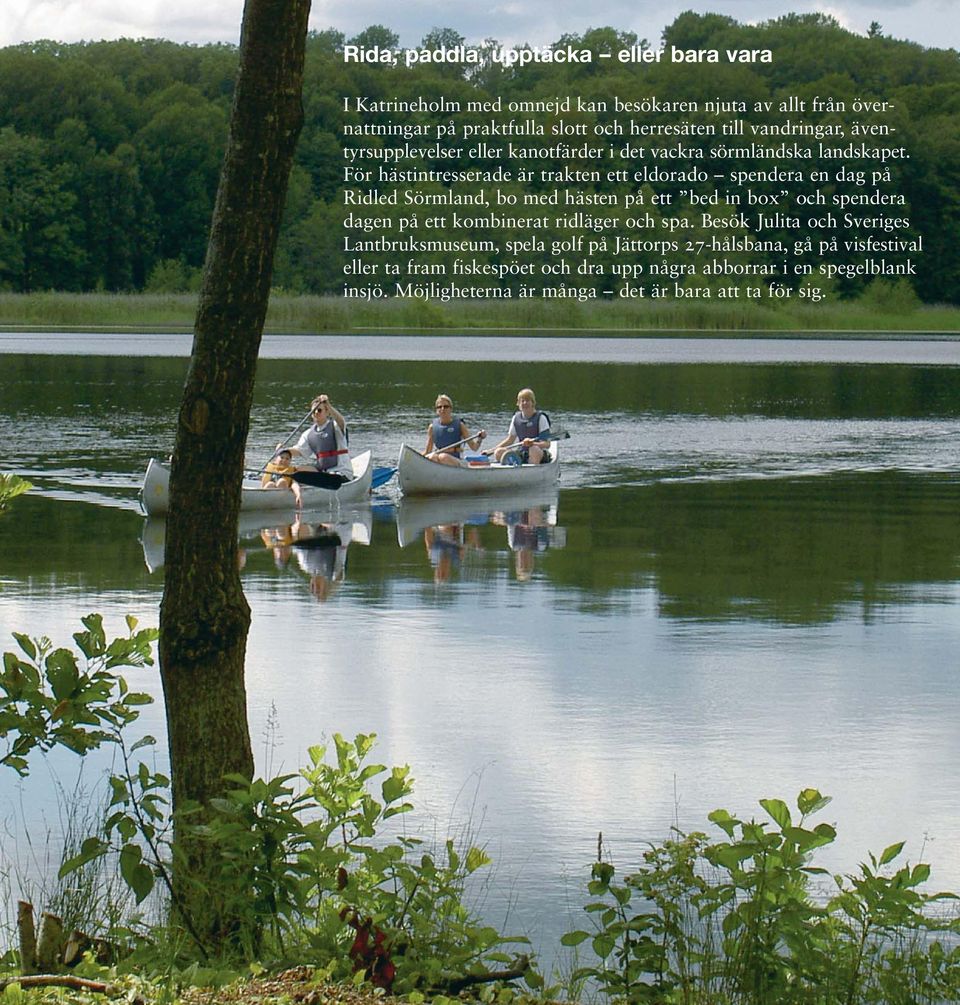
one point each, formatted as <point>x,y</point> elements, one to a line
<point>155,494</point>
<point>420,476</point>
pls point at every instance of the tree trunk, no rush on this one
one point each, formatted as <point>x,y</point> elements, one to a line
<point>204,616</point>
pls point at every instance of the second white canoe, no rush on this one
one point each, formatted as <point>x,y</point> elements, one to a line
<point>419,476</point>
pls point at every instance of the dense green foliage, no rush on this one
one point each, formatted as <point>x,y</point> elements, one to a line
<point>109,151</point>
<point>740,920</point>
<point>49,697</point>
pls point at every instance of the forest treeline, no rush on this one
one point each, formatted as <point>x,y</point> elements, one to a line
<point>110,151</point>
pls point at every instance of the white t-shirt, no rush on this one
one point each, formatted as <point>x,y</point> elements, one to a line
<point>542,427</point>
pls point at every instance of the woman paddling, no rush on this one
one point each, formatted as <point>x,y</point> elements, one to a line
<point>325,444</point>
<point>447,433</point>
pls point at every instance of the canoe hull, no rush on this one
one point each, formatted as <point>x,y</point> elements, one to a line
<point>155,493</point>
<point>419,476</point>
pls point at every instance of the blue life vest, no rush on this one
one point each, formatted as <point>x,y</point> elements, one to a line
<point>529,428</point>
<point>445,434</point>
<point>322,441</point>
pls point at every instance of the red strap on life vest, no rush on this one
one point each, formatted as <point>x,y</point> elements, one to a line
<point>330,453</point>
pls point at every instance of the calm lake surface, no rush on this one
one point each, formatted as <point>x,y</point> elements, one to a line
<point>748,583</point>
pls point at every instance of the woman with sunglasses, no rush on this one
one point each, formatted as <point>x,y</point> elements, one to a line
<point>448,433</point>
<point>325,444</point>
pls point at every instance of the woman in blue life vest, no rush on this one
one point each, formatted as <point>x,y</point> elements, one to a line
<point>447,433</point>
<point>527,427</point>
<point>325,445</point>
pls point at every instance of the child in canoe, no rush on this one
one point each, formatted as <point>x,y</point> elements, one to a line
<point>276,475</point>
<point>529,427</point>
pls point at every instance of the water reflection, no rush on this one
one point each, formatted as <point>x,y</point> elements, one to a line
<point>749,583</point>
<point>319,550</point>
<point>315,547</point>
<point>450,528</point>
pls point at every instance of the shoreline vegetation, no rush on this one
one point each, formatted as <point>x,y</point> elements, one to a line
<point>295,314</point>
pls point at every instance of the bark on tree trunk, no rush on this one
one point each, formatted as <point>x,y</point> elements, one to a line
<point>28,937</point>
<point>204,616</point>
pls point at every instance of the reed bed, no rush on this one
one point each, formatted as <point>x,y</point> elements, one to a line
<point>288,313</point>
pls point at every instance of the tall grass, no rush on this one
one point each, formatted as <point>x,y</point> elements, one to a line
<point>175,312</point>
<point>93,899</point>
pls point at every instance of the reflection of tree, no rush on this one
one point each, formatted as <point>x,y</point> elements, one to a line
<point>770,549</point>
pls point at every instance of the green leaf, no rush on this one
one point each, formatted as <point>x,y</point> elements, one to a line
<point>26,644</point>
<point>603,873</point>
<point>93,641</point>
<point>574,938</point>
<point>731,922</point>
<point>12,486</point>
<point>135,874</point>
<point>724,821</point>
<point>370,771</point>
<point>891,852</point>
<point>778,810</point>
<point>137,698</point>
<point>811,801</point>
<point>344,749</point>
<point>144,741</point>
<point>397,785</point>
<point>62,672</point>
<point>920,874</point>
<point>604,945</point>
<point>90,849</point>
<point>364,743</point>
<point>476,859</point>
<point>729,855</point>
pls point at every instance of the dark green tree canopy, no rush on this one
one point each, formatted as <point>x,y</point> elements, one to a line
<point>111,149</point>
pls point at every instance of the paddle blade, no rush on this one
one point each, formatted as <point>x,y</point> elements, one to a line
<point>381,476</point>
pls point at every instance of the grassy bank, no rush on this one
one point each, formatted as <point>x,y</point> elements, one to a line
<point>175,312</point>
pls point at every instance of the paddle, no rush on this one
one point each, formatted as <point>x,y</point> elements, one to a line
<point>382,475</point>
<point>284,442</point>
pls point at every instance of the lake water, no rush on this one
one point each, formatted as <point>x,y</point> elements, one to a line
<point>747,584</point>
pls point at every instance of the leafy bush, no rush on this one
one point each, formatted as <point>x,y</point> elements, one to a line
<point>737,921</point>
<point>319,876</point>
<point>11,486</point>
<point>891,296</point>
<point>304,872</point>
<point>47,698</point>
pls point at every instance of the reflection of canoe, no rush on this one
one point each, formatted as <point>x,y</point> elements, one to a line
<point>155,494</point>
<point>353,525</point>
<point>419,476</point>
<point>416,514</point>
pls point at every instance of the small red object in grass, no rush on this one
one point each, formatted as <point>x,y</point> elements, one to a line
<point>369,951</point>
